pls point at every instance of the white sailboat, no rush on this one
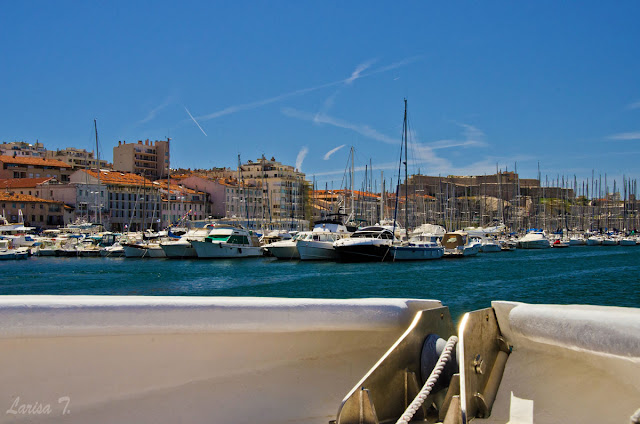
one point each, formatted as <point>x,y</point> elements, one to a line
<point>420,246</point>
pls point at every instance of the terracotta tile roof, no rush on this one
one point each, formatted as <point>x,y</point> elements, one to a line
<point>22,182</point>
<point>175,188</point>
<point>119,178</point>
<point>25,160</point>
<point>17,197</point>
<point>357,193</point>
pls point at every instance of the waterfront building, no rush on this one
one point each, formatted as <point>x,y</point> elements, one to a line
<point>231,199</point>
<point>283,188</point>
<point>28,186</point>
<point>33,167</point>
<point>150,159</point>
<point>36,212</point>
<point>123,201</point>
<point>180,203</point>
<point>77,158</point>
<point>22,149</point>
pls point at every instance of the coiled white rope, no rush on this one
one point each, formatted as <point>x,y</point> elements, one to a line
<point>635,418</point>
<point>431,381</point>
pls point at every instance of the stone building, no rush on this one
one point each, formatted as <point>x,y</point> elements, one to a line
<point>150,159</point>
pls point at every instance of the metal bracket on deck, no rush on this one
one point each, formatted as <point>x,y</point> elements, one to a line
<point>389,387</point>
<point>483,354</point>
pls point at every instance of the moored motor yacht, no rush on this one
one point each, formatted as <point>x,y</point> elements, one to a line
<point>418,248</point>
<point>367,244</point>
<point>318,244</point>
<point>610,241</point>
<point>181,247</point>
<point>594,241</point>
<point>143,250</point>
<point>284,249</point>
<point>627,241</point>
<point>534,239</point>
<point>114,251</point>
<point>228,241</point>
<point>560,243</point>
<point>577,241</point>
<point>459,244</point>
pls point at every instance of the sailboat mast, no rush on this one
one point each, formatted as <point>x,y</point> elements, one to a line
<point>95,126</point>
<point>406,178</point>
<point>353,204</point>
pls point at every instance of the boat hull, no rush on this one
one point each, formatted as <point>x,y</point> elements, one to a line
<point>316,251</point>
<point>534,244</point>
<point>490,248</point>
<point>284,252</point>
<point>112,253</point>
<point>179,250</point>
<point>416,253</point>
<point>207,250</point>
<point>141,251</point>
<point>363,253</point>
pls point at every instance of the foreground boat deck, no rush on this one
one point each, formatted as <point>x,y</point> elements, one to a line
<point>104,359</point>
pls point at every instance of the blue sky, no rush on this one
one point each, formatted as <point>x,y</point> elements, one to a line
<point>487,82</point>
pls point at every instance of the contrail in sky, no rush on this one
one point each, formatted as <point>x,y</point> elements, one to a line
<point>332,151</point>
<point>360,72</point>
<point>194,120</point>
<point>151,115</point>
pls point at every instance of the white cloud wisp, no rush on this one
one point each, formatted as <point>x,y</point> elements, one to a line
<point>625,136</point>
<point>332,151</point>
<point>300,158</point>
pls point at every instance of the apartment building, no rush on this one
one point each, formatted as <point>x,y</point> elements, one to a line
<point>283,188</point>
<point>33,167</point>
<point>28,186</point>
<point>123,200</point>
<point>77,158</point>
<point>229,198</point>
<point>180,203</point>
<point>150,159</point>
<point>22,149</point>
<point>35,211</point>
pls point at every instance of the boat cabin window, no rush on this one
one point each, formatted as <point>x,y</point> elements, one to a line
<point>236,239</point>
<point>218,237</point>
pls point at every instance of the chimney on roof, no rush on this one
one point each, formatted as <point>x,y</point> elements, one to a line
<point>119,143</point>
<point>139,141</point>
<point>146,142</point>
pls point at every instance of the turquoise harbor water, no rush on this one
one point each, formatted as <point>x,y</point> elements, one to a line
<point>588,275</point>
